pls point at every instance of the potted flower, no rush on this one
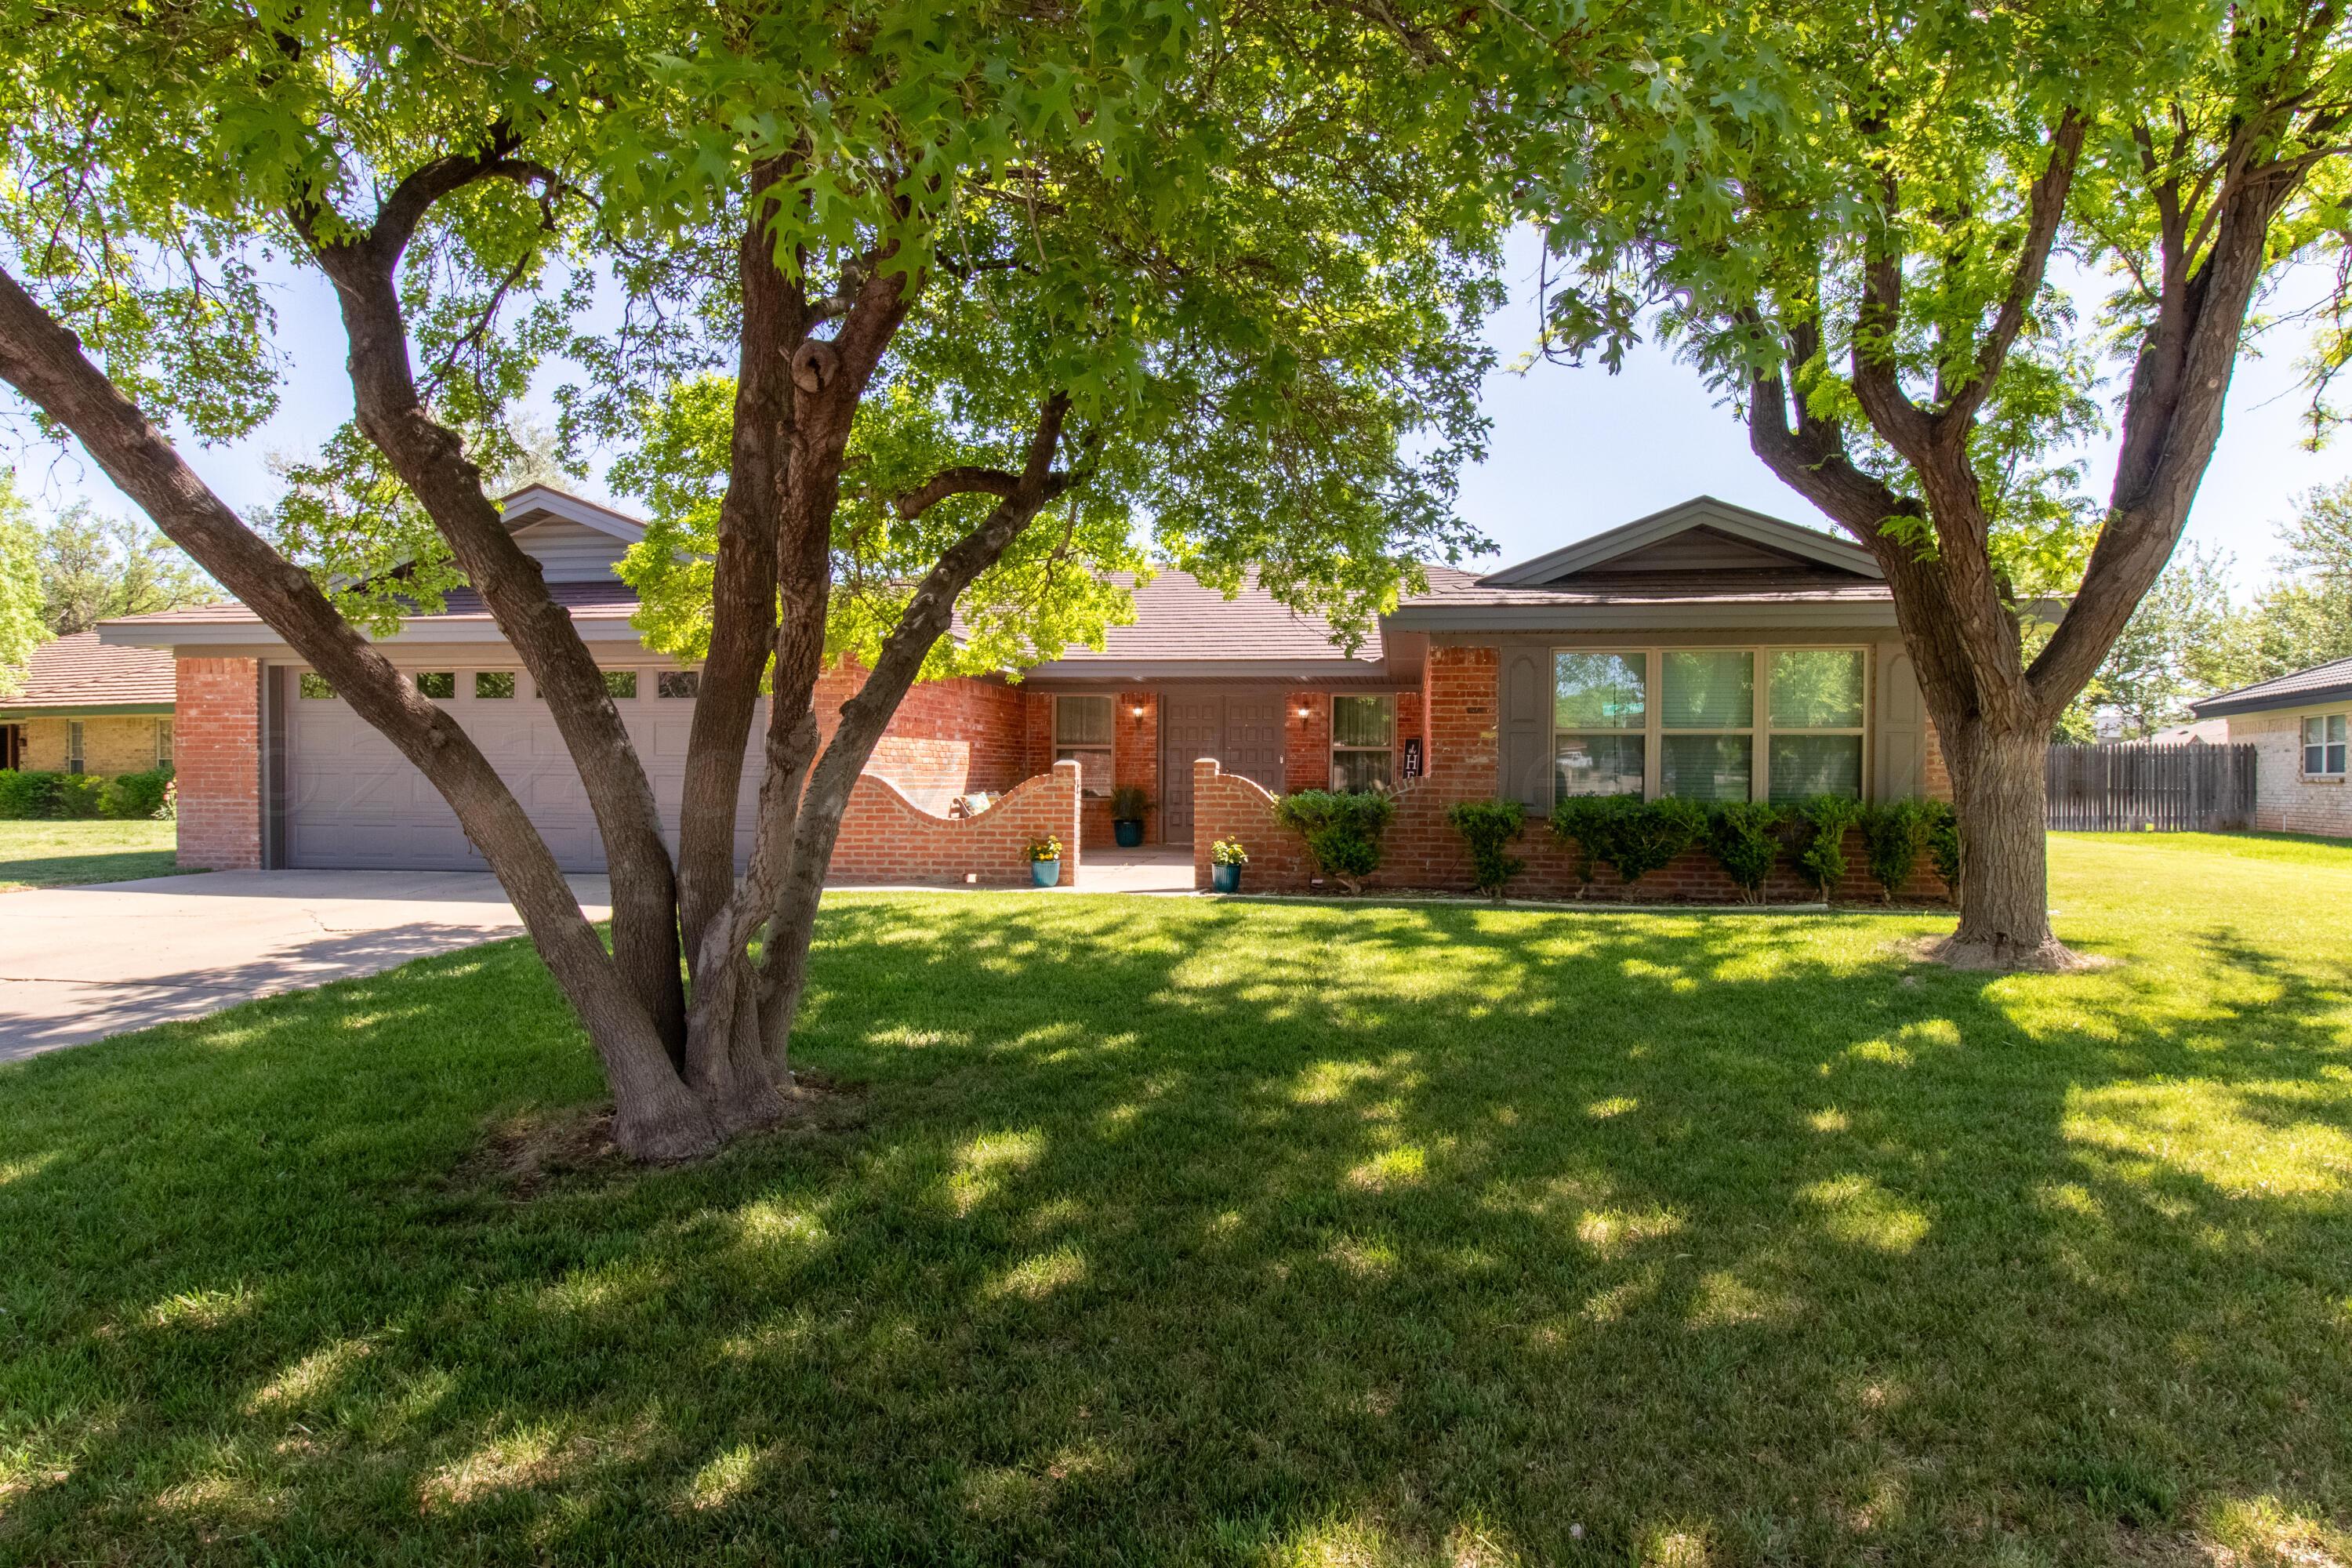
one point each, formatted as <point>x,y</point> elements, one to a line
<point>1226,858</point>
<point>1045,860</point>
<point>1127,805</point>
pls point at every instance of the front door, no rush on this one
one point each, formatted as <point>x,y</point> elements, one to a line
<point>1241,730</point>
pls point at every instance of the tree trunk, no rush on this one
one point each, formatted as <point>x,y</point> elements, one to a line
<point>1997,785</point>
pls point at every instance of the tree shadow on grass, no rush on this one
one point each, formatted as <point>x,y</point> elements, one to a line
<point>1211,1233</point>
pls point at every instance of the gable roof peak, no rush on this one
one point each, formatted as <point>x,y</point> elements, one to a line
<point>543,503</point>
<point>1701,512</point>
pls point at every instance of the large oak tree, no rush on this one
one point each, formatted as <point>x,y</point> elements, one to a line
<point>1916,245</point>
<point>893,308</point>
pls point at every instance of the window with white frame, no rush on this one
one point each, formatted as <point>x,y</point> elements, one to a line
<point>1363,743</point>
<point>1707,722</point>
<point>162,742</point>
<point>1599,722</point>
<point>2323,746</point>
<point>1081,728</point>
<point>74,755</point>
<point>1816,718</point>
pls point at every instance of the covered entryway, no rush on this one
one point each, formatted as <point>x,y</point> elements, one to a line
<point>346,800</point>
<point>1243,730</point>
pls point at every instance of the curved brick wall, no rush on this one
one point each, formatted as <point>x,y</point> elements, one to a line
<point>886,838</point>
<point>1421,853</point>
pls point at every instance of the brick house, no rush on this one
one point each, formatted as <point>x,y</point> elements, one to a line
<point>2296,724</point>
<point>87,707</point>
<point>1706,650</point>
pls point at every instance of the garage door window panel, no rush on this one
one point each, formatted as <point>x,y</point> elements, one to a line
<point>438,684</point>
<point>494,684</point>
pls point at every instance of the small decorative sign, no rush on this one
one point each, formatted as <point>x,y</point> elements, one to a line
<point>1413,756</point>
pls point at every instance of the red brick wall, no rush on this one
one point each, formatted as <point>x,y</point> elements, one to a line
<point>952,737</point>
<point>1459,698</point>
<point>1408,726</point>
<point>1306,740</point>
<point>217,760</point>
<point>1935,777</point>
<point>1421,852</point>
<point>885,838</point>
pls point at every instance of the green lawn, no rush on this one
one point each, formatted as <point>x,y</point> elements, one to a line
<point>1152,1231</point>
<point>60,854</point>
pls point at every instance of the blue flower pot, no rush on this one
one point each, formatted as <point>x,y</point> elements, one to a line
<point>1225,878</point>
<point>1128,831</point>
<point>1045,873</point>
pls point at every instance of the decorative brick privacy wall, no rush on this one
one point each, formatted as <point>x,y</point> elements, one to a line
<point>886,838</point>
<point>1421,852</point>
<point>959,736</point>
<point>218,765</point>
<point>110,745</point>
<point>2285,801</point>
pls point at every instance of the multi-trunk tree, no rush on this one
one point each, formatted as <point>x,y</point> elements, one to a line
<point>1921,247</point>
<point>895,311</point>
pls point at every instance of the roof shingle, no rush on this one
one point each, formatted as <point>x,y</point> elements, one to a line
<point>80,672</point>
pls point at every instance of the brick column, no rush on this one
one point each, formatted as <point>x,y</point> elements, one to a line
<point>1306,740</point>
<point>1464,756</point>
<point>216,747</point>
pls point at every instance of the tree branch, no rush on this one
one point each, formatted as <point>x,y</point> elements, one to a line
<point>2046,210</point>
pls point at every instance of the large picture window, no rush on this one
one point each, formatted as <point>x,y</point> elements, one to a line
<point>1082,735</point>
<point>2323,746</point>
<point>1599,722</point>
<point>1708,724</point>
<point>1816,718</point>
<point>1363,743</point>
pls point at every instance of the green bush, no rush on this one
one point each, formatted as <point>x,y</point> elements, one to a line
<point>1581,822</point>
<point>28,796</point>
<point>1487,827</point>
<point>1823,821</point>
<point>1342,831</point>
<point>1635,836</point>
<point>80,795</point>
<point>1944,841</point>
<point>1745,837</point>
<point>134,796</point>
<point>1893,835</point>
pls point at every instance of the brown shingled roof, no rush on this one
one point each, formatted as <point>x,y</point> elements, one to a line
<point>80,672</point>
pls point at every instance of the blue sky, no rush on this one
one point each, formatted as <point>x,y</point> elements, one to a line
<point>1573,451</point>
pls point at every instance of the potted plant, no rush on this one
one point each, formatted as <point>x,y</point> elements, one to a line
<point>1045,860</point>
<point>1127,805</point>
<point>1226,858</point>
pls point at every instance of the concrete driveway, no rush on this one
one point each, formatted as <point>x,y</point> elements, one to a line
<point>80,963</point>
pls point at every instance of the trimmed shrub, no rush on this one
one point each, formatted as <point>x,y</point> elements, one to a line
<point>1128,802</point>
<point>134,796</point>
<point>1648,839</point>
<point>1745,837</point>
<point>1635,836</point>
<point>1893,835</point>
<point>1342,831</point>
<point>26,795</point>
<point>80,796</point>
<point>1582,823</point>
<point>1823,821</point>
<point>1487,827</point>
<point>1944,841</point>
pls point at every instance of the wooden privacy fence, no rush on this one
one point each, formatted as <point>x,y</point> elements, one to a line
<point>2125,786</point>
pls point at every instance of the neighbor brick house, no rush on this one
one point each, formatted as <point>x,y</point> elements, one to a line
<point>2297,726</point>
<point>1708,650</point>
<point>88,707</point>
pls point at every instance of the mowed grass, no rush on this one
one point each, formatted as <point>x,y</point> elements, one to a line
<point>63,854</point>
<point>1155,1231</point>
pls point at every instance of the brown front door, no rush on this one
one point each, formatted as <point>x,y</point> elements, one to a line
<point>1241,730</point>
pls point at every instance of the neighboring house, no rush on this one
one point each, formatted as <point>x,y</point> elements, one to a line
<point>88,707</point>
<point>2296,724</point>
<point>2208,731</point>
<point>1708,650</point>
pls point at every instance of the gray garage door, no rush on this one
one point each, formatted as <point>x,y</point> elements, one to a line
<point>351,801</point>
